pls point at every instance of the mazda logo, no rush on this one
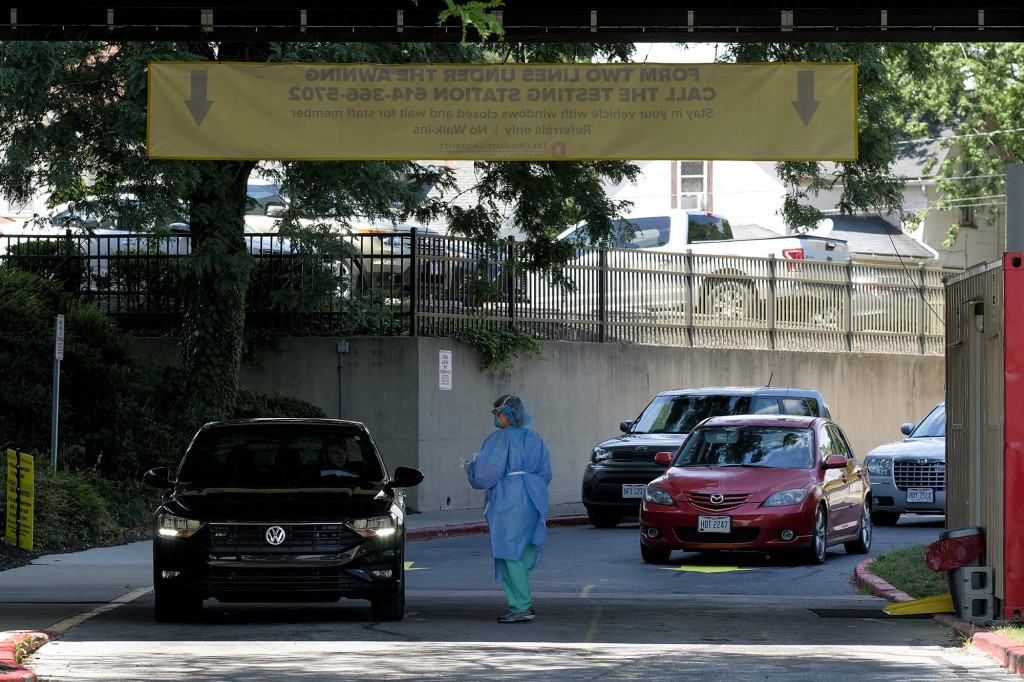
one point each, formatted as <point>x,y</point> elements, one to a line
<point>717,498</point>
<point>275,535</point>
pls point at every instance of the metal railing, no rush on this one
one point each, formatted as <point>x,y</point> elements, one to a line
<point>431,284</point>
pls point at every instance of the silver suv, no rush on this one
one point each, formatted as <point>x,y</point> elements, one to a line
<point>620,468</point>
<point>909,476</point>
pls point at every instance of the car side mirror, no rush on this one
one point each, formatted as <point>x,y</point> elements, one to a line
<point>274,210</point>
<point>624,426</point>
<point>907,428</point>
<point>663,458</point>
<point>158,477</point>
<point>406,477</point>
<point>835,462</point>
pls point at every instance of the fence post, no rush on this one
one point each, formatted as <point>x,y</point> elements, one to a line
<point>602,301</point>
<point>510,280</point>
<point>848,307</point>
<point>921,305</point>
<point>690,301</point>
<point>414,287</point>
<point>770,313</point>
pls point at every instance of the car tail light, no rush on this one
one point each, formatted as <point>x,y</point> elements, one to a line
<point>793,254</point>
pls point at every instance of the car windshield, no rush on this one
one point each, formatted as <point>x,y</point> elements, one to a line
<point>750,446</point>
<point>680,413</point>
<point>932,426</point>
<point>280,456</point>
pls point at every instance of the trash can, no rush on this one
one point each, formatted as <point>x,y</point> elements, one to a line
<point>956,552</point>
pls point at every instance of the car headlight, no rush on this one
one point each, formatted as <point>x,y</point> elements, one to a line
<point>784,498</point>
<point>376,526</point>
<point>169,526</point>
<point>879,466</point>
<point>658,496</point>
<point>600,455</point>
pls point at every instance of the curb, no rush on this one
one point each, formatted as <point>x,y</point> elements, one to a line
<point>27,643</point>
<point>1008,652</point>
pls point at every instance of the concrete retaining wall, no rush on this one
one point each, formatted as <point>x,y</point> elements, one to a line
<point>578,393</point>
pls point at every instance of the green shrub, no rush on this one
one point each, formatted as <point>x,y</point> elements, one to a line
<point>59,260</point>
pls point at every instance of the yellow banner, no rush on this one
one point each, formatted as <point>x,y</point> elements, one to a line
<point>210,110</point>
<point>20,499</point>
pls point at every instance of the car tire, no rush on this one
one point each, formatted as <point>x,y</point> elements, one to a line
<point>655,555</point>
<point>729,301</point>
<point>862,545</point>
<point>174,606</point>
<point>880,518</point>
<point>819,538</point>
<point>390,608</point>
<point>604,519</point>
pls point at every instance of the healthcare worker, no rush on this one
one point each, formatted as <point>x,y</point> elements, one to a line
<point>514,467</point>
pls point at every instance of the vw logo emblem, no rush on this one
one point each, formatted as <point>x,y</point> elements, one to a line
<point>717,498</point>
<point>275,535</point>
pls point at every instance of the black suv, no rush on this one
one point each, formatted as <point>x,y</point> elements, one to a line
<point>620,468</point>
<point>280,510</point>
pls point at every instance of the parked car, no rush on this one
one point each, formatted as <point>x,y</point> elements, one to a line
<point>909,476</point>
<point>726,274</point>
<point>758,483</point>
<point>249,516</point>
<point>620,468</point>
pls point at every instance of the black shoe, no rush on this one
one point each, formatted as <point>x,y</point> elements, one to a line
<point>518,616</point>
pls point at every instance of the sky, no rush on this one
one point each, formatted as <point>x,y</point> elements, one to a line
<point>673,53</point>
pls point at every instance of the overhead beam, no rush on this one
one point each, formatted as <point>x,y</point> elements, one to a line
<point>523,21</point>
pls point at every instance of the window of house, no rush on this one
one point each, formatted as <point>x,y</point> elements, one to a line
<point>692,184</point>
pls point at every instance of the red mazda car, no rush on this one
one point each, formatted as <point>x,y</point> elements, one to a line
<point>758,483</point>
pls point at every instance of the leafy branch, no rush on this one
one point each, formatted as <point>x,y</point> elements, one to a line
<point>499,348</point>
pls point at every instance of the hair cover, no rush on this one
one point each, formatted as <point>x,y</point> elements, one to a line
<point>515,409</point>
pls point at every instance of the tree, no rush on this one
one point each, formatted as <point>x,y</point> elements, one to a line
<point>974,91</point>
<point>867,184</point>
<point>74,121</point>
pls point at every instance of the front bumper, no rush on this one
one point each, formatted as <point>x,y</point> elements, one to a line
<point>602,484</point>
<point>753,528</point>
<point>886,497</point>
<point>363,569</point>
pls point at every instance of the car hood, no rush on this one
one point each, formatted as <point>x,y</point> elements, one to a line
<point>928,448</point>
<point>278,505</point>
<point>642,447</point>
<point>756,482</point>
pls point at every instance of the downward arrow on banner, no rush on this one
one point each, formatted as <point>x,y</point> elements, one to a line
<point>199,105</point>
<point>805,103</point>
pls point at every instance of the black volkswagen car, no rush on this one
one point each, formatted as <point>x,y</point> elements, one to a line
<point>620,469</point>
<point>264,510</point>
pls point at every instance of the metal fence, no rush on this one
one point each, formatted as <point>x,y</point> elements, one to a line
<point>423,283</point>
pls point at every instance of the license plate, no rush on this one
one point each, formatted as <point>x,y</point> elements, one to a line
<point>714,524</point>
<point>633,490</point>
<point>920,495</point>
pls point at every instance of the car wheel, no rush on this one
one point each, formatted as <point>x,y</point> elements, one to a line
<point>729,301</point>
<point>885,518</point>
<point>391,608</point>
<point>862,545</point>
<point>816,552</point>
<point>351,273</point>
<point>174,606</point>
<point>604,519</point>
<point>654,555</point>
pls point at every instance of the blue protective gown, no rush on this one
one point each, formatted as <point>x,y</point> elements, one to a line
<point>514,467</point>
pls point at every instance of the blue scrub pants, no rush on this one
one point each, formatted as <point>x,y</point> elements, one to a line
<point>515,578</point>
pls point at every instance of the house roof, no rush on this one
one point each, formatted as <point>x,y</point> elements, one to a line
<point>873,236</point>
<point>914,155</point>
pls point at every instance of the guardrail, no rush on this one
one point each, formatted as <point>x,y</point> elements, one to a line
<point>431,284</point>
